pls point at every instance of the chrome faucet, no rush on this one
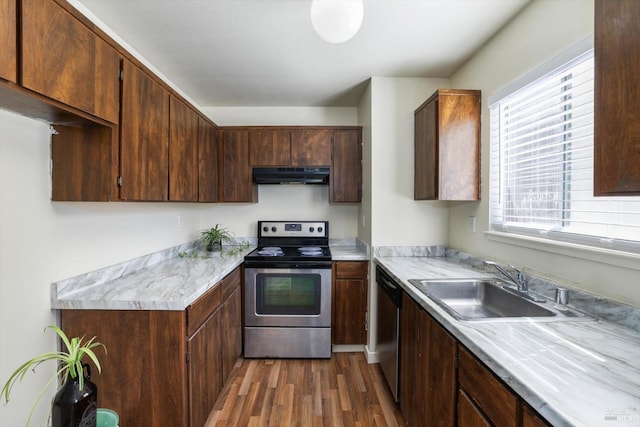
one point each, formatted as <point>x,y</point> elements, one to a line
<point>520,280</point>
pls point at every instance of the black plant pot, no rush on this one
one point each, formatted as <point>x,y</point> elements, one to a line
<point>72,407</point>
<point>214,246</point>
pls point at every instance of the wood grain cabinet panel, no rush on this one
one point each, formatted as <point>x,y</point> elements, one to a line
<point>346,167</point>
<point>349,311</point>
<point>205,367</point>
<point>270,147</point>
<point>447,146</point>
<point>468,413</point>
<point>65,60</point>
<point>428,384</point>
<point>236,183</point>
<point>144,374</point>
<point>311,147</point>
<point>183,152</point>
<point>8,41</point>
<point>617,104</point>
<point>144,137</point>
<point>207,161</point>
<point>497,402</point>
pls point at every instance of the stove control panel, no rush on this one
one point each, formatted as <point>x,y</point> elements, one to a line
<point>293,228</point>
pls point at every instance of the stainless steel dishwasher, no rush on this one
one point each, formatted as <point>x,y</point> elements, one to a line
<point>388,330</point>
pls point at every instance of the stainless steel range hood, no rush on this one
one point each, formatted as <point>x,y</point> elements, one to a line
<point>310,175</point>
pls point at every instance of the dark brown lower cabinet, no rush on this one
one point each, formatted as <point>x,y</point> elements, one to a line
<point>349,302</point>
<point>165,367</point>
<point>427,369</point>
<point>443,384</point>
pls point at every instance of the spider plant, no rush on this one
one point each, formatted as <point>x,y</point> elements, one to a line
<point>69,364</point>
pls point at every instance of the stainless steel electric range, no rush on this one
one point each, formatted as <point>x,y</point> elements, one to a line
<point>288,291</point>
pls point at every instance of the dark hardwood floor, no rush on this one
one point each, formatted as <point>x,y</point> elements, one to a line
<point>342,391</point>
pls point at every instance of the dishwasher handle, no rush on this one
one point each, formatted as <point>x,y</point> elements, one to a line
<point>389,286</point>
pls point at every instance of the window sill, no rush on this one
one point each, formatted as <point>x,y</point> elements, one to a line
<point>573,250</point>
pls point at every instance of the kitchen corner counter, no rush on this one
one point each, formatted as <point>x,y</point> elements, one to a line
<point>348,250</point>
<point>582,373</point>
<point>169,281</point>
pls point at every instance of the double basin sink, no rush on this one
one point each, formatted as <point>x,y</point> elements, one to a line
<point>489,299</point>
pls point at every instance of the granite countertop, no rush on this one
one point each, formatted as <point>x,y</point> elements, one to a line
<point>582,373</point>
<point>163,281</point>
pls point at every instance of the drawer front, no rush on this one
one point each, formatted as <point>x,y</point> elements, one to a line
<point>202,308</point>
<point>491,396</point>
<point>230,283</point>
<point>351,269</point>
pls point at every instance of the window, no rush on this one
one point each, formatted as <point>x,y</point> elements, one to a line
<point>542,164</point>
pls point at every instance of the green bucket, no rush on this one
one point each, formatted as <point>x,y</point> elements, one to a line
<point>107,418</point>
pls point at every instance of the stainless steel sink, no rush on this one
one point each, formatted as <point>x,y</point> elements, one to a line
<point>478,299</point>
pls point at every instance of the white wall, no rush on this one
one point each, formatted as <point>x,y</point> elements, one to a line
<point>520,47</point>
<point>397,219</point>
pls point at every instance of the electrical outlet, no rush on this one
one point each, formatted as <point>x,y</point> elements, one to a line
<point>472,224</point>
<point>180,221</point>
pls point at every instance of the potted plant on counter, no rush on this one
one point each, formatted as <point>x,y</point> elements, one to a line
<point>214,236</point>
<point>75,403</point>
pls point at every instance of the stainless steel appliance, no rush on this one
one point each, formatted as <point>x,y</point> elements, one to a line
<point>388,331</point>
<point>288,291</point>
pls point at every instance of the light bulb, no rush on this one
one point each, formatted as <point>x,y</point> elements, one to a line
<point>337,21</point>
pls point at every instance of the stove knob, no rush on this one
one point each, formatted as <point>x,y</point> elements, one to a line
<point>311,229</point>
<point>274,229</point>
<point>319,229</point>
<point>265,229</point>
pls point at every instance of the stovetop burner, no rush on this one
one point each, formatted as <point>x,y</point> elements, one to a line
<point>284,241</point>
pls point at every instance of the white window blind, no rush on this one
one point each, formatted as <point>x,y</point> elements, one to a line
<point>541,179</point>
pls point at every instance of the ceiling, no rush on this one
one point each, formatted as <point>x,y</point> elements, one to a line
<point>265,52</point>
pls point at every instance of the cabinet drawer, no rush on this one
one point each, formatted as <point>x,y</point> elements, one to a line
<point>351,269</point>
<point>230,283</point>
<point>202,308</point>
<point>489,394</point>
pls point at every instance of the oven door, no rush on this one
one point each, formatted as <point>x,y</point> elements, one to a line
<point>288,297</point>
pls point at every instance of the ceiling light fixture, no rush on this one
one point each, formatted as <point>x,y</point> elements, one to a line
<point>337,21</point>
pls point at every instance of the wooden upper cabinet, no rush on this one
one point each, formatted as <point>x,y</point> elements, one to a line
<point>269,147</point>
<point>66,61</point>
<point>346,167</point>
<point>311,147</point>
<point>144,137</point>
<point>617,104</point>
<point>8,41</point>
<point>236,184</point>
<point>183,152</point>
<point>447,146</point>
<point>207,161</point>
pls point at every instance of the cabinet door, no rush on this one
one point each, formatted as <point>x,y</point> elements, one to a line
<point>441,351</point>
<point>411,365</point>
<point>350,302</point>
<point>207,161</point>
<point>468,414</point>
<point>8,41</point>
<point>205,368</point>
<point>530,418</point>
<point>144,137</point>
<point>617,105</point>
<point>346,167</point>
<point>64,60</point>
<point>235,180</point>
<point>232,327</point>
<point>270,147</point>
<point>183,152</point>
<point>311,147</point>
<point>426,151</point>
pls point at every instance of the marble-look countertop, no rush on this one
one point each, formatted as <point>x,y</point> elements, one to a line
<point>167,282</point>
<point>349,251</point>
<point>583,373</point>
